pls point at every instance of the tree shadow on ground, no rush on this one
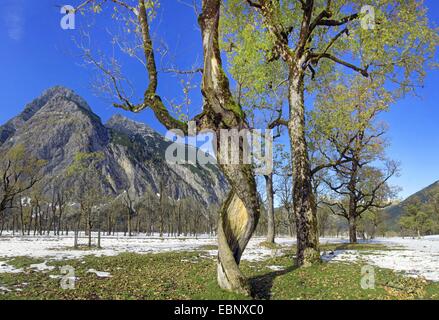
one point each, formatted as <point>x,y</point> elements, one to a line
<point>261,285</point>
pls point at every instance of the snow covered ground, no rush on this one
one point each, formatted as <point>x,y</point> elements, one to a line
<point>416,257</point>
<point>60,248</point>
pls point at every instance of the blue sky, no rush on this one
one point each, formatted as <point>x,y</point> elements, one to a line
<point>37,54</point>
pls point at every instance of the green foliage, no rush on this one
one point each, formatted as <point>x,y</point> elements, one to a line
<point>396,51</point>
<point>22,162</point>
<point>85,162</point>
<point>20,171</point>
<point>259,85</point>
<point>374,223</point>
<point>344,129</point>
<point>86,169</point>
<point>420,219</point>
<point>348,106</point>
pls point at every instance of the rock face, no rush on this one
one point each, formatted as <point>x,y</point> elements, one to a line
<point>59,124</point>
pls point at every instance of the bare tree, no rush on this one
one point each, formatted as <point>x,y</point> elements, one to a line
<point>19,172</point>
<point>129,201</point>
<point>87,190</point>
<point>285,193</point>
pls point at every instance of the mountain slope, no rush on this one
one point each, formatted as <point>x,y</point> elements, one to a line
<point>59,124</point>
<point>7,130</point>
<point>423,196</point>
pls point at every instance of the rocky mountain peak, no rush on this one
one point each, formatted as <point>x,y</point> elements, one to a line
<point>55,96</point>
<point>59,124</point>
<point>59,92</point>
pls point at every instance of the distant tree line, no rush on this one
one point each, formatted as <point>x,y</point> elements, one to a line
<point>31,206</point>
<point>421,219</point>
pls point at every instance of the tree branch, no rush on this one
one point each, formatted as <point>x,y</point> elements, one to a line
<point>334,23</point>
<point>254,4</point>
<point>317,56</point>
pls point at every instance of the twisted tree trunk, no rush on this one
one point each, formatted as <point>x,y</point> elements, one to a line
<point>238,219</point>
<point>240,212</point>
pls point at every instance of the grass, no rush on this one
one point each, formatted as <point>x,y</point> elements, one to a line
<point>328,281</point>
<point>209,247</point>
<point>154,276</point>
<point>23,262</point>
<point>82,247</point>
<point>353,246</point>
<point>192,275</point>
<point>269,245</point>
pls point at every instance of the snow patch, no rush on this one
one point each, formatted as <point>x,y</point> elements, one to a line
<point>6,268</point>
<point>414,257</point>
<point>100,274</point>
<point>4,289</point>
<point>276,268</point>
<point>41,266</point>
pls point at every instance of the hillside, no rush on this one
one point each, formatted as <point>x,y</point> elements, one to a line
<point>59,124</point>
<point>423,196</point>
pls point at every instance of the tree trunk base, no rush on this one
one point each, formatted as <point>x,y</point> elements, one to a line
<point>235,228</point>
<point>311,257</point>
<point>232,281</point>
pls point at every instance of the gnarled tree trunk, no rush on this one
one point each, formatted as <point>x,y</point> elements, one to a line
<point>303,195</point>
<point>238,219</point>
<point>240,213</point>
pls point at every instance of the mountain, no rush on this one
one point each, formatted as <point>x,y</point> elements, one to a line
<point>423,197</point>
<point>53,94</point>
<point>59,124</point>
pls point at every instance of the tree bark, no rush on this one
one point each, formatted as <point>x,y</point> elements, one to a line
<point>352,212</point>
<point>37,219</point>
<point>239,216</point>
<point>240,213</point>
<point>58,228</point>
<point>77,226</point>
<point>29,227</point>
<point>89,226</point>
<point>179,220</point>
<point>21,216</point>
<point>353,229</point>
<point>13,224</point>
<point>108,224</point>
<point>75,241</point>
<point>129,223</point>
<point>61,202</point>
<point>270,208</point>
<point>161,210</point>
<point>99,238</point>
<point>303,195</point>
